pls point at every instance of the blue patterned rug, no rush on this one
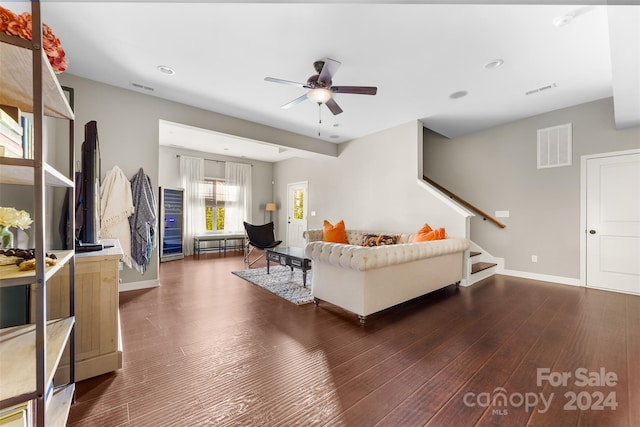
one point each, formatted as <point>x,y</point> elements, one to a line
<point>280,281</point>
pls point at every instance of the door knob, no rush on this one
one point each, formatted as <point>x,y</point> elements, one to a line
<point>592,231</point>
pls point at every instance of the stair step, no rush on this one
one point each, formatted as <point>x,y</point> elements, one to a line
<point>479,266</point>
<point>474,253</point>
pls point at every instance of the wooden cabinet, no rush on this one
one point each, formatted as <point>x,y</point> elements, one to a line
<point>97,344</point>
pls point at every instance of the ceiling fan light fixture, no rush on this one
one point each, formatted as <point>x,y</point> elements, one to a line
<point>319,95</point>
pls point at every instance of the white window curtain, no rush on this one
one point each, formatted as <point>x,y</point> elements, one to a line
<point>237,198</point>
<point>192,179</point>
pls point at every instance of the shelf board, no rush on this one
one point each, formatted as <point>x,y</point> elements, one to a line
<point>16,88</point>
<point>11,276</point>
<point>20,171</point>
<point>18,357</point>
<point>59,404</point>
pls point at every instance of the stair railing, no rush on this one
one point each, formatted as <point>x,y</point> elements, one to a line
<point>463,202</point>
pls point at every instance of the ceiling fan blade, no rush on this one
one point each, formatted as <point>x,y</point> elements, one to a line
<point>285,82</point>
<point>358,90</point>
<point>328,70</point>
<point>333,106</point>
<point>294,102</point>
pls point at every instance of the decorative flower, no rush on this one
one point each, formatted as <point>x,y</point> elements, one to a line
<point>11,217</point>
<point>21,26</point>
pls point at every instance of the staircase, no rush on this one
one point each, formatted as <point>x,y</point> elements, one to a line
<point>480,265</point>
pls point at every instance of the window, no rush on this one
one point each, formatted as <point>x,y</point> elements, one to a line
<point>213,194</point>
<point>298,204</point>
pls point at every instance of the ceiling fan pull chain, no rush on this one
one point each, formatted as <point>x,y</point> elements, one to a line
<point>319,117</point>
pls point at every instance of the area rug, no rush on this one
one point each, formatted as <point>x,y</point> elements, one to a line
<point>280,281</point>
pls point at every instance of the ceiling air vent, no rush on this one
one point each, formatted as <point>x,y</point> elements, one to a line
<point>540,89</point>
<point>141,86</point>
<point>554,146</point>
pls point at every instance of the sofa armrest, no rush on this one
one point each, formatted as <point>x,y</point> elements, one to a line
<point>312,235</point>
<point>362,258</point>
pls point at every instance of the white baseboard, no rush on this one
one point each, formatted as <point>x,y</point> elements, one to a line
<point>542,277</point>
<point>133,286</point>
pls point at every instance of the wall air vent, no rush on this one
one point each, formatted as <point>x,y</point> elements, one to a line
<point>540,89</point>
<point>554,146</point>
<point>141,86</point>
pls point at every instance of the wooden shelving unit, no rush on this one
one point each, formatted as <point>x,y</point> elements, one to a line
<point>18,90</point>
<point>11,276</point>
<point>30,354</point>
<point>18,348</point>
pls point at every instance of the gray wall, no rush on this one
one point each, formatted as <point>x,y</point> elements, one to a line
<point>128,133</point>
<point>495,169</point>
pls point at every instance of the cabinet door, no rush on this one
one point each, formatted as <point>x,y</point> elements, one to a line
<point>96,311</point>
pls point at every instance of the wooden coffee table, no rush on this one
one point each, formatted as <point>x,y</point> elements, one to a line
<point>291,257</point>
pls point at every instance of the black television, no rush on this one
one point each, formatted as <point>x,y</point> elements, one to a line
<point>89,219</point>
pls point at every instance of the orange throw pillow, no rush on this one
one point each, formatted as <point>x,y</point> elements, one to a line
<point>334,233</point>
<point>426,234</point>
<point>420,234</point>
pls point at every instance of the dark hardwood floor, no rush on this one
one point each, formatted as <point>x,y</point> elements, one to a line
<point>208,348</point>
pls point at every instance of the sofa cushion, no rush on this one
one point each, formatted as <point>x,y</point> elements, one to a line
<point>425,234</point>
<point>334,233</point>
<point>380,239</point>
<point>420,234</point>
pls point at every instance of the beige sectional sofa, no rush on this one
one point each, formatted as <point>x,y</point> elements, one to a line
<point>365,280</point>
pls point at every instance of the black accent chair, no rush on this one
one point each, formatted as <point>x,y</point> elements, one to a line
<point>259,237</point>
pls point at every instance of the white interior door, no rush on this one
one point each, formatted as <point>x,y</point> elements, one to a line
<point>613,223</point>
<point>297,202</point>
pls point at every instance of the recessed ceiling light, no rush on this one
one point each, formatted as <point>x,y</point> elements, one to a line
<point>335,136</point>
<point>561,21</point>
<point>494,64</point>
<point>459,94</point>
<point>335,125</point>
<point>165,69</point>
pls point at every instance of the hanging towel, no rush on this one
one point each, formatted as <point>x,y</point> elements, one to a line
<point>143,221</point>
<point>116,206</point>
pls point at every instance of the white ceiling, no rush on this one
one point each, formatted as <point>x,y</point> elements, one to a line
<point>416,54</point>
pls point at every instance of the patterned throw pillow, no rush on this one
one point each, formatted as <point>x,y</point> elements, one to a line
<point>380,239</point>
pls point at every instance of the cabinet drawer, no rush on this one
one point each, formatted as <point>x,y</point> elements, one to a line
<point>273,257</point>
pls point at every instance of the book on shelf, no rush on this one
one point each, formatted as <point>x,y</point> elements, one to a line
<point>18,415</point>
<point>27,137</point>
<point>10,117</point>
<point>8,152</point>
<point>10,133</point>
<point>10,148</point>
<point>13,112</point>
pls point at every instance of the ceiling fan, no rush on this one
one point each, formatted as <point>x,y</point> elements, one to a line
<point>321,86</point>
